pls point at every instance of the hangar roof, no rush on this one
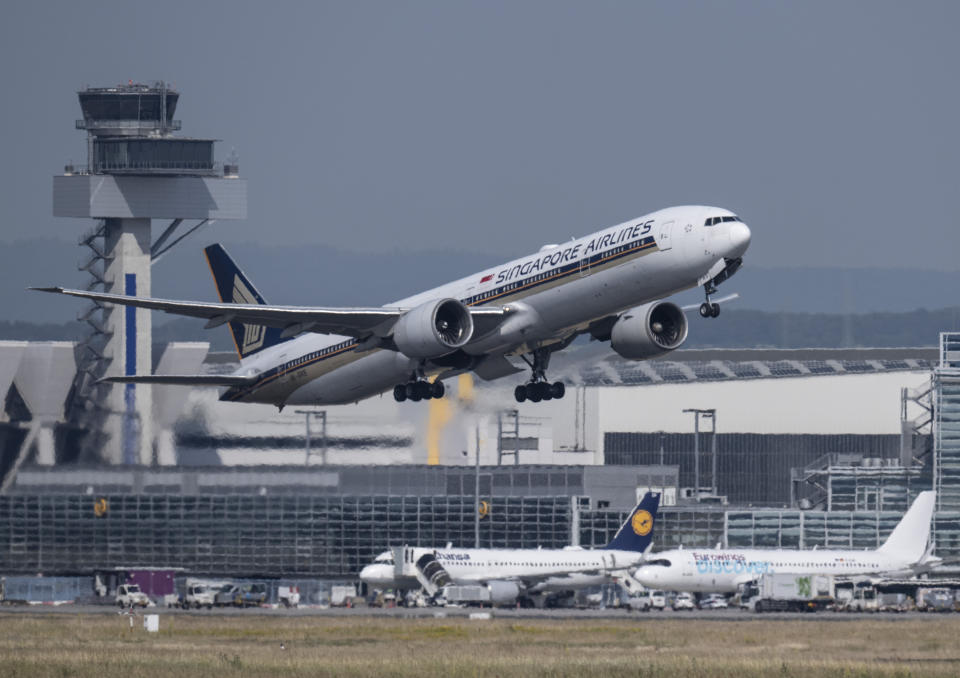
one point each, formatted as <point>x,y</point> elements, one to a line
<point>733,364</point>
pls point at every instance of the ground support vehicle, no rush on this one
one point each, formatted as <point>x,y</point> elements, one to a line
<point>197,596</point>
<point>863,598</point>
<point>251,595</point>
<point>226,595</point>
<point>935,600</point>
<point>714,601</point>
<point>648,600</point>
<point>789,593</point>
<point>684,601</point>
<point>130,595</point>
<point>289,596</point>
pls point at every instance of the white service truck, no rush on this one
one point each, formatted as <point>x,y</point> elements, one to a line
<point>788,593</point>
<point>130,595</point>
<point>199,595</point>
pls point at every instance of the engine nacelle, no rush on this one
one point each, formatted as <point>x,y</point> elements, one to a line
<point>503,592</point>
<point>433,329</point>
<point>648,331</point>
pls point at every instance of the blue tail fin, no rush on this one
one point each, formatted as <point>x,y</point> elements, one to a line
<point>235,288</point>
<point>637,533</point>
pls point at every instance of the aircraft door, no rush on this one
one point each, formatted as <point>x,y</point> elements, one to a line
<point>585,266</point>
<point>665,239</point>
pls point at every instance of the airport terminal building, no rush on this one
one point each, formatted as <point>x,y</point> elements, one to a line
<point>814,448</point>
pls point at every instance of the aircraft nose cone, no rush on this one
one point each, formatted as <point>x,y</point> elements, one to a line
<point>739,239</point>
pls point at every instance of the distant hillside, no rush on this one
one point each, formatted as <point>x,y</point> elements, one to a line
<point>733,329</point>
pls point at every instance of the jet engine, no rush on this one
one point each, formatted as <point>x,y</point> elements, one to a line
<point>433,329</point>
<point>503,592</point>
<point>648,331</point>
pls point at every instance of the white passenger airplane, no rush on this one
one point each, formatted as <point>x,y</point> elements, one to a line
<point>509,573</point>
<point>609,285</point>
<point>724,570</point>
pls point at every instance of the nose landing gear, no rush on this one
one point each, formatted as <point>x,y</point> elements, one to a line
<point>709,309</point>
<point>538,388</point>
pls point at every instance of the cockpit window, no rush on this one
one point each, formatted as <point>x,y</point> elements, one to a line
<point>661,562</point>
<point>720,220</point>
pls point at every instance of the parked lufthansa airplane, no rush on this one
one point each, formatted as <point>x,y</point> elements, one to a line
<point>509,573</point>
<point>723,570</point>
<point>609,285</point>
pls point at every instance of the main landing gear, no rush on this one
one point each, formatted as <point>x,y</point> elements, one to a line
<point>418,389</point>
<point>538,388</point>
<point>709,309</point>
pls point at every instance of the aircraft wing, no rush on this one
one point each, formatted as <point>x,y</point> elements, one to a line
<point>350,322</point>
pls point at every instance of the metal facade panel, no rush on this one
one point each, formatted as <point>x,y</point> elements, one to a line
<point>134,197</point>
<point>752,468</point>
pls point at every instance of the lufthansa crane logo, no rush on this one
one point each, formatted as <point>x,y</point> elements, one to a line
<point>642,523</point>
<point>100,507</point>
<point>483,509</point>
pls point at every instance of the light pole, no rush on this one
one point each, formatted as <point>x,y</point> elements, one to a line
<point>710,414</point>
<point>322,415</point>
<point>476,489</point>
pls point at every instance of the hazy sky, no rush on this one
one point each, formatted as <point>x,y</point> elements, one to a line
<point>495,127</point>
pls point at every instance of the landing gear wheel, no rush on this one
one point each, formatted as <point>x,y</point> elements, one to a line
<point>400,392</point>
<point>714,310</point>
<point>437,389</point>
<point>533,393</point>
<point>413,393</point>
<point>520,393</point>
<point>706,310</point>
<point>424,390</point>
<point>558,390</point>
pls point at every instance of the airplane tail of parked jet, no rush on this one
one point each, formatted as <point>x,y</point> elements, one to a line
<point>234,287</point>
<point>636,533</point>
<point>909,538</point>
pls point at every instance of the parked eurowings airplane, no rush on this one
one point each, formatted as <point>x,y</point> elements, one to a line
<point>723,570</point>
<point>609,285</point>
<point>509,573</point>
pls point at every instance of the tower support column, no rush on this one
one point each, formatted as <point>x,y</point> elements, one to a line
<point>129,419</point>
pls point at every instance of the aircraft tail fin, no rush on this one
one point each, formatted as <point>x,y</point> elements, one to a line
<point>636,534</point>
<point>234,287</point>
<point>909,538</point>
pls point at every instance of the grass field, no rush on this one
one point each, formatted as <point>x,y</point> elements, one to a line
<point>186,646</point>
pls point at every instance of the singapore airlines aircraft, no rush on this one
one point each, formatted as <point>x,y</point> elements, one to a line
<point>723,570</point>
<point>509,573</point>
<point>609,285</point>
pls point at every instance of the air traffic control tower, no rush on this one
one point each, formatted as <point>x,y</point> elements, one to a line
<point>136,172</point>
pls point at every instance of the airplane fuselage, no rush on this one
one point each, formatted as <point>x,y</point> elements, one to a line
<point>723,570</point>
<point>543,569</point>
<point>553,294</point>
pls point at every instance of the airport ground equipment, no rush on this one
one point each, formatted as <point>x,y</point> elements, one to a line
<point>789,593</point>
<point>130,595</point>
<point>198,595</point>
<point>136,172</point>
<point>935,599</point>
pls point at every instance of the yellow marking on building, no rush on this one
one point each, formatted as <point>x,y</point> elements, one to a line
<point>441,412</point>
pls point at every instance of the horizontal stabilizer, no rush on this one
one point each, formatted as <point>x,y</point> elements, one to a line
<point>179,379</point>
